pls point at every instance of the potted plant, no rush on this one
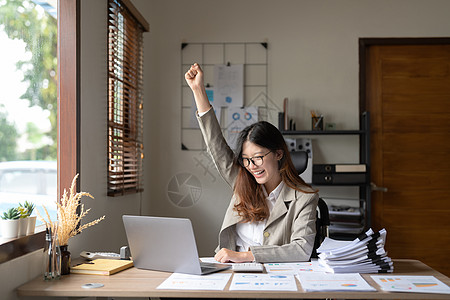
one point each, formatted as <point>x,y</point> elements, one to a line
<point>10,223</point>
<point>23,220</point>
<point>70,212</point>
<point>29,208</point>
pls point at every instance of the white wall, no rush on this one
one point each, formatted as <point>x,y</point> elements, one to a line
<point>313,60</point>
<point>108,235</point>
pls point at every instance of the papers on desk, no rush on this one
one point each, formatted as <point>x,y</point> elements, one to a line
<point>211,282</point>
<point>294,268</point>
<point>240,282</point>
<point>413,284</point>
<point>263,282</point>
<point>365,254</point>
<point>280,277</point>
<point>323,282</point>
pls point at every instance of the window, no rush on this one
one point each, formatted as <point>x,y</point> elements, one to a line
<point>125,100</point>
<point>28,104</point>
<point>67,110</point>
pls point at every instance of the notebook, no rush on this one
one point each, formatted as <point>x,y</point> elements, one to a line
<point>102,267</point>
<point>165,244</point>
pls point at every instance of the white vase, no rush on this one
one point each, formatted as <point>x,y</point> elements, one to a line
<point>31,225</point>
<point>9,228</point>
<point>23,226</point>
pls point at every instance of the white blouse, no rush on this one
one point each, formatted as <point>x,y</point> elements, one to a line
<point>251,233</point>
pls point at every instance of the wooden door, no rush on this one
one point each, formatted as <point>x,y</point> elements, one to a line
<point>407,91</point>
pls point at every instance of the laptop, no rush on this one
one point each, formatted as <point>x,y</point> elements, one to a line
<point>165,244</point>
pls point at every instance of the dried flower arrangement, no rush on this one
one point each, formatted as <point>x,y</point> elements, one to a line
<point>68,224</point>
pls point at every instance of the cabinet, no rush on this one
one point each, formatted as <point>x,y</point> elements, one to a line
<point>363,184</point>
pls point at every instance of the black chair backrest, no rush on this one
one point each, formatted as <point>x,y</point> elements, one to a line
<point>300,160</point>
<point>322,224</point>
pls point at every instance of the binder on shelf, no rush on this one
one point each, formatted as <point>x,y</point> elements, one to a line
<point>339,168</point>
<point>339,178</point>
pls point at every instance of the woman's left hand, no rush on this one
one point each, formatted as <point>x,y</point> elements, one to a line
<point>226,255</point>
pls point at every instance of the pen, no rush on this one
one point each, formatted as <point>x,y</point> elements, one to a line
<point>318,121</point>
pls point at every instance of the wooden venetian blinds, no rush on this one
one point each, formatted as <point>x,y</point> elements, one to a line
<point>125,99</point>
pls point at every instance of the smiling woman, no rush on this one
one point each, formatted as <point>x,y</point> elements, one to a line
<point>272,214</point>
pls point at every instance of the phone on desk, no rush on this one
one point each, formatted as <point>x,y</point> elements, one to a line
<point>96,255</point>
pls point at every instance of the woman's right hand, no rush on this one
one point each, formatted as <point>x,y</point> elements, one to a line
<point>194,77</point>
<point>226,255</point>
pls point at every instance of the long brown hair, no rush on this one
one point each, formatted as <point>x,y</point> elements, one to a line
<point>252,205</point>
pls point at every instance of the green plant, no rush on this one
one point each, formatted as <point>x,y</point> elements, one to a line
<point>22,212</point>
<point>28,207</point>
<point>11,214</point>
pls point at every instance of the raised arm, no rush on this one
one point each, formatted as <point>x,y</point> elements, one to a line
<point>221,153</point>
<point>194,78</point>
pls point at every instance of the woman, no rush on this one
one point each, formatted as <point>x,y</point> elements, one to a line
<point>272,214</point>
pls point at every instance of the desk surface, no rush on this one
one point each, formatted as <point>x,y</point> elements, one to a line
<point>143,283</point>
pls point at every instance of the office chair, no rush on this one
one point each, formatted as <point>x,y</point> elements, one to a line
<point>300,160</point>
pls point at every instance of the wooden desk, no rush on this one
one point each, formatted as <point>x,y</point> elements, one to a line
<point>142,283</point>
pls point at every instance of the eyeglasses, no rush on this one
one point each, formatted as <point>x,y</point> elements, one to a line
<point>256,160</point>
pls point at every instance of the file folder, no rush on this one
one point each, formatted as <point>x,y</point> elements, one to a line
<point>339,168</point>
<point>339,178</point>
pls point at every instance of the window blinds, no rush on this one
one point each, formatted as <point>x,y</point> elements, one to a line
<point>125,100</point>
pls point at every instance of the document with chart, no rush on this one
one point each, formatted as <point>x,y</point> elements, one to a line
<point>412,284</point>
<point>263,282</point>
<point>322,282</point>
<point>294,268</point>
<point>178,281</point>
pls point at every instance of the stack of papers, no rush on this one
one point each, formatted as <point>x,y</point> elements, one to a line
<point>365,254</point>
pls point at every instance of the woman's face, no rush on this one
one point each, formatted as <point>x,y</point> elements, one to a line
<point>267,172</point>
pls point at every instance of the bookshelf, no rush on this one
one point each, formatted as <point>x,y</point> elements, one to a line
<point>364,158</point>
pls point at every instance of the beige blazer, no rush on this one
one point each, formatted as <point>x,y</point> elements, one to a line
<point>290,229</point>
